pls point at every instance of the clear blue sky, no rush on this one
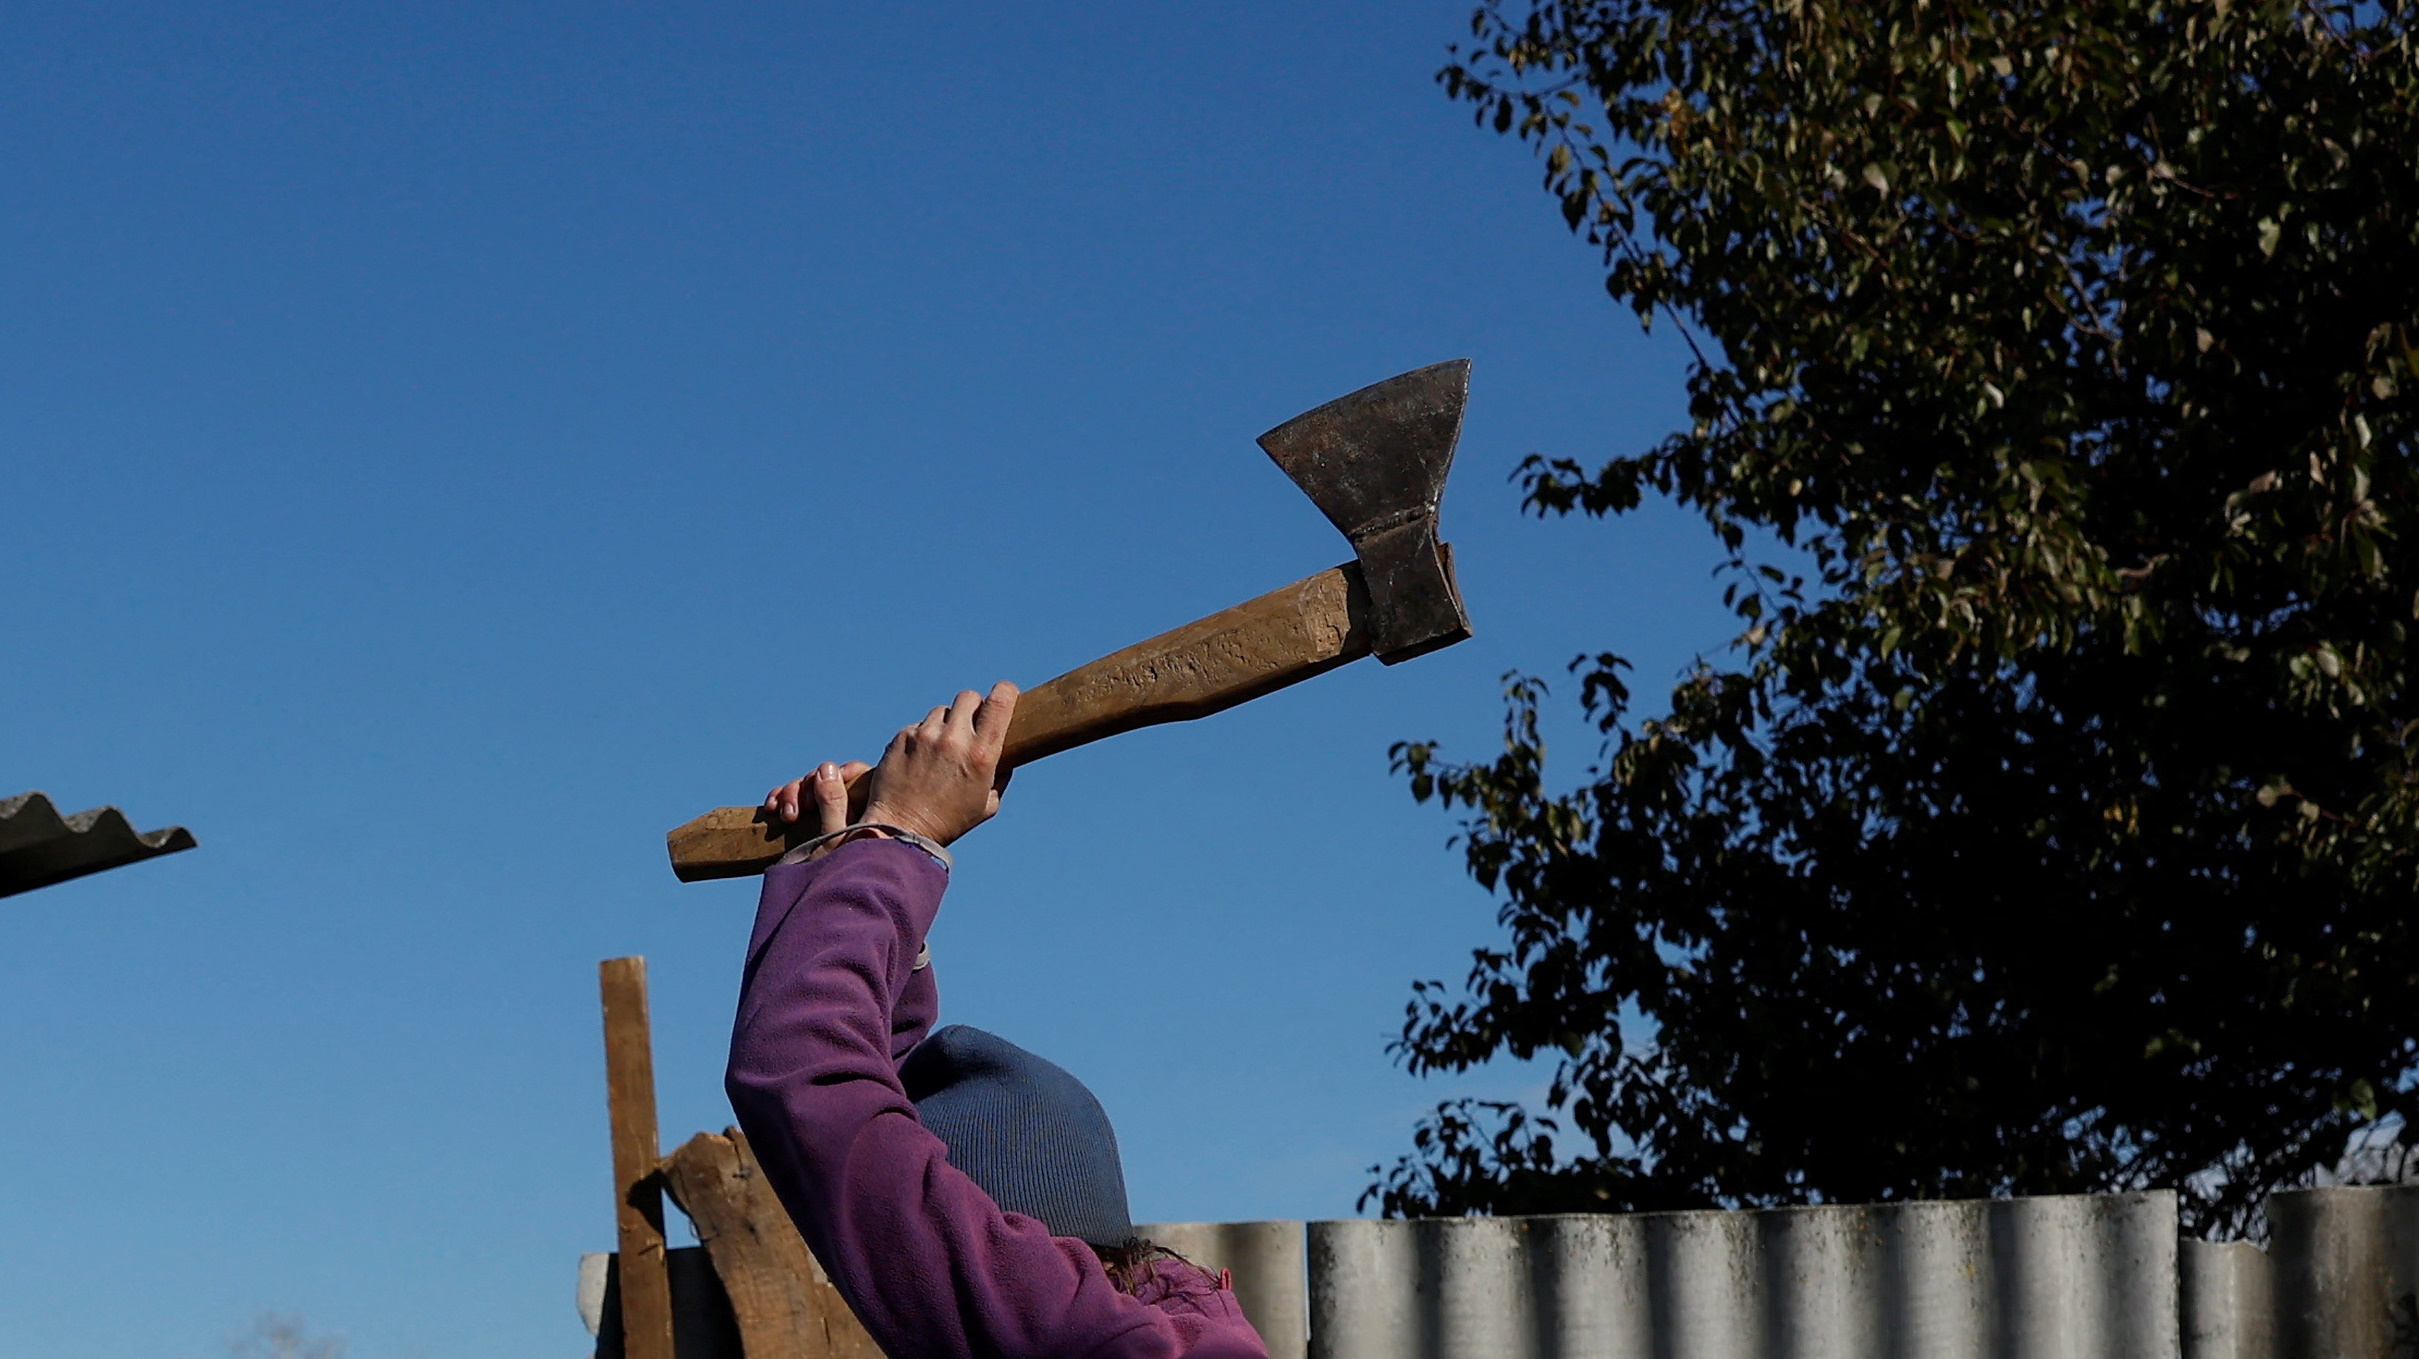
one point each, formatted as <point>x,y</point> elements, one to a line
<point>442,447</point>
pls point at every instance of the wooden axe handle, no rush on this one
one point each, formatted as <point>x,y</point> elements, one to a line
<point>1283,637</point>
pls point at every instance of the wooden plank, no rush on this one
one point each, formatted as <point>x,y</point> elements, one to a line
<point>785,1304</point>
<point>1256,648</point>
<point>702,1326</point>
<point>638,1205</point>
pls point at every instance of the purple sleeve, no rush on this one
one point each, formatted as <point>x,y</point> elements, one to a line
<point>934,1268</point>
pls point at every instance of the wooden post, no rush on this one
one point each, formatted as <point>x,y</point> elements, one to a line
<point>638,1201</point>
<point>785,1305</point>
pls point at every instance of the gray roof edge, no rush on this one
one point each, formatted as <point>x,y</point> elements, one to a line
<point>39,847</point>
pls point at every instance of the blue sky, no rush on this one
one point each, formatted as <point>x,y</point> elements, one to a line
<point>443,447</point>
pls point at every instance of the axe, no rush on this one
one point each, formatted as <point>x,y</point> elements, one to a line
<point>1375,463</point>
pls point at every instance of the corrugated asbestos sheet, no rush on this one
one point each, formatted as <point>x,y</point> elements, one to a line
<point>2340,1276</point>
<point>39,847</point>
<point>2073,1278</point>
<point>2101,1277</point>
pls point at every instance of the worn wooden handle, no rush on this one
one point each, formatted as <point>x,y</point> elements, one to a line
<point>1283,637</point>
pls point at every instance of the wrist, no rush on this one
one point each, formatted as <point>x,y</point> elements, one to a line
<point>867,829</point>
<point>905,820</point>
<point>830,840</point>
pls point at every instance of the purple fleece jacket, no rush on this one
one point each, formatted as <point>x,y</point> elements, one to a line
<point>828,1006</point>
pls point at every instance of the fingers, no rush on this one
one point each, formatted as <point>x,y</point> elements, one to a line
<point>783,801</point>
<point>992,716</point>
<point>831,797</point>
<point>791,799</point>
<point>840,812</point>
<point>962,710</point>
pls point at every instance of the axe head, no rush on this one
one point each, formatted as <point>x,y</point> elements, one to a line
<point>1375,463</point>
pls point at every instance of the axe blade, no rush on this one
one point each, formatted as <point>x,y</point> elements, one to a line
<point>1374,463</point>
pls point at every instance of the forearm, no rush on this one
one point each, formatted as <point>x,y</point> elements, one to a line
<point>830,1000</point>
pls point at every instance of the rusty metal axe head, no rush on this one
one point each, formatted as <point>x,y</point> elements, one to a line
<point>1375,463</point>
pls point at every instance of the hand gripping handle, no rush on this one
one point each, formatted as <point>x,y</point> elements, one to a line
<point>1283,637</point>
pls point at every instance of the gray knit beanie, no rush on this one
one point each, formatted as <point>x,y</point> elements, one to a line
<point>1030,1134</point>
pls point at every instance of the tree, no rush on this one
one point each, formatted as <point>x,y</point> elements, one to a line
<point>2051,825</point>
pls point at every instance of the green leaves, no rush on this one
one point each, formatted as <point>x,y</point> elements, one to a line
<point>2067,351</point>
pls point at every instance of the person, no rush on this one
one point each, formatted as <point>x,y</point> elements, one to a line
<point>964,1195</point>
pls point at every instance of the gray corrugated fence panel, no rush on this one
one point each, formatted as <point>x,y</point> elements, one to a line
<point>594,1266</point>
<point>2346,1263</point>
<point>2225,1307</point>
<point>2040,1278</point>
<point>1271,1280</point>
<point>39,847</point>
<point>2100,1277</point>
<point>702,1324</point>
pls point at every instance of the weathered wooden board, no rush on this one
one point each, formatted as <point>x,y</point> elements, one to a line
<point>646,1290</point>
<point>785,1306</point>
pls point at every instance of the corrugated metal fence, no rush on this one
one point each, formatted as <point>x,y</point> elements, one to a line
<point>2023,1278</point>
<point>2100,1277</point>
